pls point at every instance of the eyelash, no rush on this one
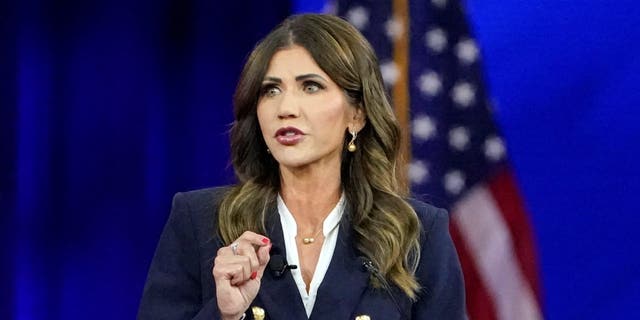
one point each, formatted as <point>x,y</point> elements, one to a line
<point>264,91</point>
<point>312,83</point>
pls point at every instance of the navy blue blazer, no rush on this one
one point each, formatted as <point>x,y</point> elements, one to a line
<point>180,283</point>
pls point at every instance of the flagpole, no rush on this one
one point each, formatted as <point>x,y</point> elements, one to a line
<point>400,92</point>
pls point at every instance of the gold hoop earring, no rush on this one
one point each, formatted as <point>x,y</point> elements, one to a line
<point>352,146</point>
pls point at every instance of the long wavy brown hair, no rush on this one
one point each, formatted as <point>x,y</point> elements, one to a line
<point>386,226</point>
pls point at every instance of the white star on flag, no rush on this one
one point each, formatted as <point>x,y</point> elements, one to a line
<point>494,148</point>
<point>463,94</point>
<point>394,28</point>
<point>390,72</point>
<point>454,181</point>
<point>418,172</point>
<point>459,138</point>
<point>436,40</point>
<point>358,17</point>
<point>424,128</point>
<point>467,51</point>
<point>430,83</point>
<point>439,3</point>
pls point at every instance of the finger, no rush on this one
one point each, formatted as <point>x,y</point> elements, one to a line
<point>235,269</point>
<point>246,249</point>
<point>227,273</point>
<point>243,248</point>
<point>225,251</point>
<point>245,271</point>
<point>255,239</point>
<point>264,256</point>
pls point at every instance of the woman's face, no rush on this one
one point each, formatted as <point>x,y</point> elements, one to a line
<point>303,114</point>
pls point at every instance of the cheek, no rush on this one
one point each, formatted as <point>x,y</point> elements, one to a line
<point>333,121</point>
<point>265,113</point>
<point>336,111</point>
<point>262,113</point>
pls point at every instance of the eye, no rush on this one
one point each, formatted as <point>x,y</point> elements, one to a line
<point>312,86</point>
<point>269,90</point>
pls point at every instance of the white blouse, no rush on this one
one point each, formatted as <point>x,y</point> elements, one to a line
<point>330,232</point>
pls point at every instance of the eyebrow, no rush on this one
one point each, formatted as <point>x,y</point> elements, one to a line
<point>298,78</point>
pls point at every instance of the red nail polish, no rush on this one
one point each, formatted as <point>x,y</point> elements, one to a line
<point>254,275</point>
<point>265,240</point>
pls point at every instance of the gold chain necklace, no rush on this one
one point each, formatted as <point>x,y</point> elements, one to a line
<point>310,240</point>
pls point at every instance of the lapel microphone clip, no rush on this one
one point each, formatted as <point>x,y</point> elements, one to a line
<point>278,265</point>
<point>367,266</point>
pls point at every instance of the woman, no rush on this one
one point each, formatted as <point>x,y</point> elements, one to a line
<point>315,147</point>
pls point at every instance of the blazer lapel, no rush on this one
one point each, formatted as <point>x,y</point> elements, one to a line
<point>279,295</point>
<point>345,280</point>
<point>339,294</point>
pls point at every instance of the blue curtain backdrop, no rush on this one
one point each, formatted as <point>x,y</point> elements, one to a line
<point>107,108</point>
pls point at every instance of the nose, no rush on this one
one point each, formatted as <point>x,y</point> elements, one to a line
<point>289,106</point>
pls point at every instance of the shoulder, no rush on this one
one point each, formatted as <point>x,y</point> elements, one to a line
<point>439,272</point>
<point>434,235</point>
<point>201,199</point>
<point>431,217</point>
<point>198,209</point>
<point>437,251</point>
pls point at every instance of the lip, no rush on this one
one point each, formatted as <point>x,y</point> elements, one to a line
<point>289,136</point>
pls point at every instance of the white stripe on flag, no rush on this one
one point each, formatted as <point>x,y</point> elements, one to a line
<point>490,244</point>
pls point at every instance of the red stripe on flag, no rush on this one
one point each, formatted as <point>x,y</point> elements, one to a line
<point>506,193</point>
<point>479,304</point>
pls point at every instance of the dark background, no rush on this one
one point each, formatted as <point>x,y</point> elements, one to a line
<point>110,107</point>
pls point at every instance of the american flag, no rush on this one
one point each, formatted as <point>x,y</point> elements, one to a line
<point>431,65</point>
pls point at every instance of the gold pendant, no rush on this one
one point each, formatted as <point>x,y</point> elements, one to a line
<point>308,240</point>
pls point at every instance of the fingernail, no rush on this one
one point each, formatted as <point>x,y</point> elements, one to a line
<point>254,275</point>
<point>265,240</point>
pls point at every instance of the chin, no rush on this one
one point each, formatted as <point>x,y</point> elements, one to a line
<point>294,158</point>
<point>293,162</point>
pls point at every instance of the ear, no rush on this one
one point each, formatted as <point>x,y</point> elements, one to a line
<point>358,120</point>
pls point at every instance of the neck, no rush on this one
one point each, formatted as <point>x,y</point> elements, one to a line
<point>310,195</point>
